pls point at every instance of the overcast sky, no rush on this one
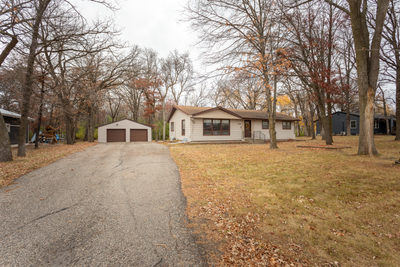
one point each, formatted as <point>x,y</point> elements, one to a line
<point>149,24</point>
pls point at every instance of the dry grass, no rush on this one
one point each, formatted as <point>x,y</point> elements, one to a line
<point>316,206</point>
<point>35,159</point>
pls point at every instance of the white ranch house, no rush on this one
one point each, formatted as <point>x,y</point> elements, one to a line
<point>221,124</point>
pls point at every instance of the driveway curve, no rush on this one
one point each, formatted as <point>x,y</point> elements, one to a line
<point>114,204</point>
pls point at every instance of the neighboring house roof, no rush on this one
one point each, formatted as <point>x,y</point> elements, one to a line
<point>124,120</point>
<point>240,113</point>
<point>377,116</point>
<point>12,114</point>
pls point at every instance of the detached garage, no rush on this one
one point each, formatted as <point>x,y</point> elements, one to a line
<point>124,131</point>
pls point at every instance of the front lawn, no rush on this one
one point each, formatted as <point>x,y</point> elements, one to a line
<point>295,205</point>
<point>36,158</point>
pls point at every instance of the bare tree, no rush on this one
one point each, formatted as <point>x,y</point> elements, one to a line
<point>176,73</point>
<point>244,91</point>
<point>367,57</point>
<point>75,51</point>
<point>390,53</point>
<point>101,73</point>
<point>347,63</point>
<point>313,30</point>
<point>13,14</point>
<point>197,97</point>
<point>239,34</point>
<point>28,87</point>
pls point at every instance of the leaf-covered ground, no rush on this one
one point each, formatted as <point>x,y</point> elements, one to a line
<point>299,206</point>
<point>35,159</point>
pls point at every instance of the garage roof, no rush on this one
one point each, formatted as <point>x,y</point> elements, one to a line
<point>127,120</point>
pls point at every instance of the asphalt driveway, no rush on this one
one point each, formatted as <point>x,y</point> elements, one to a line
<point>115,204</point>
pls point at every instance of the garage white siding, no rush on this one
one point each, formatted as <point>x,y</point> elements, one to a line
<point>122,124</point>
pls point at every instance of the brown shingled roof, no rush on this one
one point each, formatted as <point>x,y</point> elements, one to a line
<point>260,115</point>
<point>191,110</point>
<point>244,114</point>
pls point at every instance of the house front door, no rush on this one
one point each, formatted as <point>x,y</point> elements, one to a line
<point>247,128</point>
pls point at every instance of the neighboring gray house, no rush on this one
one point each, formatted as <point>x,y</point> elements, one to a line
<point>224,124</point>
<point>339,124</point>
<point>13,121</point>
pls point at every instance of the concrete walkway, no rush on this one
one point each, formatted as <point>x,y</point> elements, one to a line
<point>115,204</point>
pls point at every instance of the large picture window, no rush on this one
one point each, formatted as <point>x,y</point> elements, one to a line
<point>265,124</point>
<point>216,127</point>
<point>287,125</point>
<point>172,126</point>
<point>183,127</point>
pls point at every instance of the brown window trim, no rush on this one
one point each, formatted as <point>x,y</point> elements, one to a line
<point>172,126</point>
<point>212,130</point>
<point>262,125</point>
<point>283,128</point>
<point>183,124</point>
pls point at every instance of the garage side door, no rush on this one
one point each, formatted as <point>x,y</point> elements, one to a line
<point>116,135</point>
<point>138,135</point>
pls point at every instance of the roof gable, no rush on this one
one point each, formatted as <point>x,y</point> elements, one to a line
<point>237,113</point>
<point>124,120</point>
<point>213,112</point>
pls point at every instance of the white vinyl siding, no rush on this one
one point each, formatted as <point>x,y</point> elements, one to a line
<point>284,134</point>
<point>281,134</point>
<point>177,120</point>
<point>194,127</point>
<point>256,125</point>
<point>235,131</point>
<point>123,124</point>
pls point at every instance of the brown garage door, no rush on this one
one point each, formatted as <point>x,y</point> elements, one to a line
<point>116,135</point>
<point>138,135</point>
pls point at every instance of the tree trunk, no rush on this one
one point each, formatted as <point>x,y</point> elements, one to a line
<point>86,137</point>
<point>312,122</point>
<point>385,113</point>
<point>329,119</point>
<point>91,124</point>
<point>324,120</point>
<point>367,59</point>
<point>163,118</point>
<point>369,144</point>
<point>272,116</point>
<point>39,116</point>
<point>69,129</point>
<point>27,89</point>
<point>8,49</point>
<point>5,145</point>
<point>306,132</point>
<point>297,116</point>
<point>348,129</point>
<point>397,103</point>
